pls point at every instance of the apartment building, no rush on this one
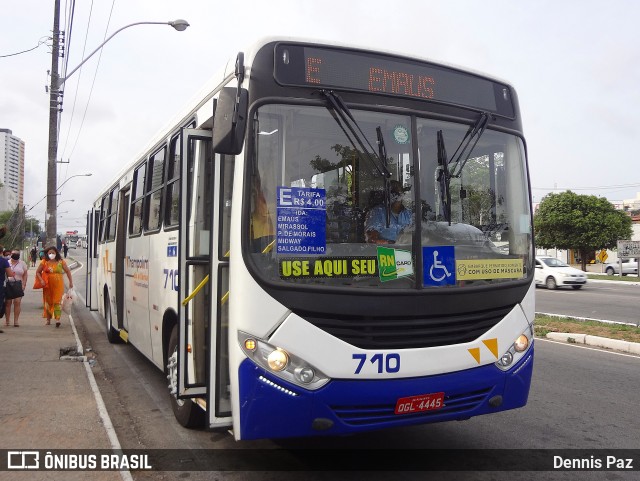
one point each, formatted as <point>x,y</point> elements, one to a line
<point>11,170</point>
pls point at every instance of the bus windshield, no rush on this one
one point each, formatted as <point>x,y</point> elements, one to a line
<point>336,207</point>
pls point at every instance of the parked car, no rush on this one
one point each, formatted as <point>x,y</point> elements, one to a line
<point>629,266</point>
<point>552,273</point>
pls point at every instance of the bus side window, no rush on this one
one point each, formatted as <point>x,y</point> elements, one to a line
<point>153,192</point>
<point>228,162</point>
<point>103,219</point>
<point>135,226</point>
<point>172,202</point>
<point>112,214</point>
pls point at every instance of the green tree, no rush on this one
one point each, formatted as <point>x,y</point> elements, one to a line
<point>16,228</point>
<point>581,222</point>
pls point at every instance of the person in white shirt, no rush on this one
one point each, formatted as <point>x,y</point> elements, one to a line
<point>21,273</point>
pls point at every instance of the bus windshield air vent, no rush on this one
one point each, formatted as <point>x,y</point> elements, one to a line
<point>409,332</point>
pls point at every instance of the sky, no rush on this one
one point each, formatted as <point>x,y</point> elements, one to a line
<point>575,65</point>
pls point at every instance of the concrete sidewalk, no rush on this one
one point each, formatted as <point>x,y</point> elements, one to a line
<point>596,341</point>
<point>46,402</point>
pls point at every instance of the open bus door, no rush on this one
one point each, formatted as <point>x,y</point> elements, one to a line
<point>199,327</point>
<point>91,292</point>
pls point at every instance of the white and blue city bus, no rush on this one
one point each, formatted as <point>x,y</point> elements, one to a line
<point>330,240</point>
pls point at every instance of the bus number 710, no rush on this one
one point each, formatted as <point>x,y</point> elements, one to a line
<point>391,362</point>
<point>171,275</point>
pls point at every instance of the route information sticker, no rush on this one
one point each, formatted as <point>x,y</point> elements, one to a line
<point>302,220</point>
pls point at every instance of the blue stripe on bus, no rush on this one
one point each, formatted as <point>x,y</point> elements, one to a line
<point>273,408</point>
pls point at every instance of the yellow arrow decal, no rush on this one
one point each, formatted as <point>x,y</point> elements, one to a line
<point>475,352</point>
<point>492,345</point>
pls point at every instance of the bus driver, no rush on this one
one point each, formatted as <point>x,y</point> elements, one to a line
<point>376,230</point>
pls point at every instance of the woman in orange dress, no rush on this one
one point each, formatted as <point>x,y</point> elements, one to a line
<point>55,267</point>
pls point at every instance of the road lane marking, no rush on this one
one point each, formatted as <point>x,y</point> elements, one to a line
<point>102,408</point>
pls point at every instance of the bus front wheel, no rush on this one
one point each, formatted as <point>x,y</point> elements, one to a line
<point>186,411</point>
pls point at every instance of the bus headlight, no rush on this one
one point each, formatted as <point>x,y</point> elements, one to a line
<point>506,359</point>
<point>281,363</point>
<point>521,344</point>
<point>516,351</point>
<point>304,374</point>
<point>278,360</point>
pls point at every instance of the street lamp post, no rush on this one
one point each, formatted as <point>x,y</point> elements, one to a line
<point>54,92</point>
<point>88,174</point>
<point>56,192</point>
<point>48,214</point>
<point>68,200</point>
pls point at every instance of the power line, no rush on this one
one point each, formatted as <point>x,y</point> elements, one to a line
<point>95,74</point>
<point>71,10</point>
<point>40,42</point>
<point>75,96</point>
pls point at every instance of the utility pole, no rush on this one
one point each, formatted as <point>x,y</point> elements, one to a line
<point>52,168</point>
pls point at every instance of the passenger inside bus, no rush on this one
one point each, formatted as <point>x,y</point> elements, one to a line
<point>376,230</point>
<point>262,227</point>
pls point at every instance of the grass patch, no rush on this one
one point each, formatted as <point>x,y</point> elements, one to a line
<point>546,324</point>
<point>604,277</point>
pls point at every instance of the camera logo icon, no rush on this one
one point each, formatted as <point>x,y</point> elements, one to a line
<point>23,460</point>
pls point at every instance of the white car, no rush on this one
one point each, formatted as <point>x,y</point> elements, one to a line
<point>629,266</point>
<point>552,273</point>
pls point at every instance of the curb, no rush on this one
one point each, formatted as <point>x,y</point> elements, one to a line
<point>578,318</point>
<point>596,341</point>
<point>72,264</point>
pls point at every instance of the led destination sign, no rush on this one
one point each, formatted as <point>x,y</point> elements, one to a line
<point>297,65</point>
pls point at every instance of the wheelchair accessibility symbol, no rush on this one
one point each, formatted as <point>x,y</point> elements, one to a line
<point>439,265</point>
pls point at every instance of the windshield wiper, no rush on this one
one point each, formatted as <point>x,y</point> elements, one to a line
<point>337,105</point>
<point>446,174</point>
<point>382,154</point>
<point>444,178</point>
<point>476,130</point>
<point>346,119</point>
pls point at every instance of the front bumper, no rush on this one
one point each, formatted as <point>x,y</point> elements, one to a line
<point>273,408</point>
<point>572,282</point>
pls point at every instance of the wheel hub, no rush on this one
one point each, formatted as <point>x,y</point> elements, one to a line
<point>172,376</point>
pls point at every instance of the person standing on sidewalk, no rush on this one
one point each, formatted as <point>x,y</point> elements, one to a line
<point>5,272</point>
<point>52,294</point>
<point>21,273</point>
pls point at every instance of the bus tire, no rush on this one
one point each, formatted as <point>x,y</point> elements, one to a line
<point>112,334</point>
<point>188,413</point>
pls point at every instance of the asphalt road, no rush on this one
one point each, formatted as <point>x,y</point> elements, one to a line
<point>580,399</point>
<point>613,301</point>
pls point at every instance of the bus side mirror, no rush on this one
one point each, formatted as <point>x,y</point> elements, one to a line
<point>230,121</point>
